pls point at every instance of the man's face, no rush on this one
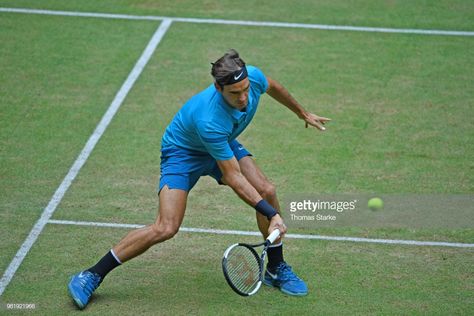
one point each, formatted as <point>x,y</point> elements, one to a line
<point>237,94</point>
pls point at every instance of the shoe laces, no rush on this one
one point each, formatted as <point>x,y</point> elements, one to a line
<point>89,282</point>
<point>286,273</point>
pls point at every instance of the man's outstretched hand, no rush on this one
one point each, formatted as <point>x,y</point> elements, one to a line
<point>315,120</point>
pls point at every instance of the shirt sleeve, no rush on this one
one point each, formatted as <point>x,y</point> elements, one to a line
<point>258,79</point>
<point>215,139</point>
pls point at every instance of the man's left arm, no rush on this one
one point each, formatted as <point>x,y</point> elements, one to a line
<point>280,94</point>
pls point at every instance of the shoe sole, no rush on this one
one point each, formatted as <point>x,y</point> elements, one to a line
<point>75,299</point>
<point>293,293</point>
<point>270,284</point>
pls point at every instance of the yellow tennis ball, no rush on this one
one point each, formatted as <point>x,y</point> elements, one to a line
<point>375,204</point>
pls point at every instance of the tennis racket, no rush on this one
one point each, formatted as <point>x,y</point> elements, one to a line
<point>243,267</point>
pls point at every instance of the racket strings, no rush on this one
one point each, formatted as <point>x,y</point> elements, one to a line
<point>243,269</point>
<point>244,279</point>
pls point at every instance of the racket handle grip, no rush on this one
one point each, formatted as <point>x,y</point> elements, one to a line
<point>273,236</point>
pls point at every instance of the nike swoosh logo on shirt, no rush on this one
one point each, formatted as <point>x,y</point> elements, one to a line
<point>237,77</point>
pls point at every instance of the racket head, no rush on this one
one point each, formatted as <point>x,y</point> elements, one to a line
<point>243,269</point>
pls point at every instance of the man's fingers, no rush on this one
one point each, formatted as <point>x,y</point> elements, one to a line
<point>278,225</point>
<point>316,121</point>
<point>282,227</point>
<point>283,230</point>
<point>318,125</point>
<point>323,119</point>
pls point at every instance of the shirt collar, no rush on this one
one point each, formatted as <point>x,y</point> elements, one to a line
<point>236,114</point>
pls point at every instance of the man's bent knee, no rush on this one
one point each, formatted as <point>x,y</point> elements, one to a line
<point>162,232</point>
<point>268,191</point>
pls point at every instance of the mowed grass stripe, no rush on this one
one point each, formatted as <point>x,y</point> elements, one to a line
<point>242,23</point>
<point>416,14</point>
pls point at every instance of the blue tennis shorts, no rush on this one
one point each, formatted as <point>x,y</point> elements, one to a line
<point>182,168</point>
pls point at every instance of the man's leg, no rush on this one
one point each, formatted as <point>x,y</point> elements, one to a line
<point>170,216</point>
<point>169,219</point>
<point>278,272</point>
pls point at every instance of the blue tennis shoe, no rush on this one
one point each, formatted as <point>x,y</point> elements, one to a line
<point>286,280</point>
<point>81,287</point>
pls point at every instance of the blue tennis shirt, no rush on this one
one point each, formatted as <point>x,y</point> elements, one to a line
<point>207,124</point>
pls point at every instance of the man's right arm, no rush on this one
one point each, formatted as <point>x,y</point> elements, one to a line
<point>233,177</point>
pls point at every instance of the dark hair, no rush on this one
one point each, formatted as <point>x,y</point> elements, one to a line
<point>226,65</point>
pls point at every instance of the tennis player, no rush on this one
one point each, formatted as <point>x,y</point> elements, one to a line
<point>199,141</point>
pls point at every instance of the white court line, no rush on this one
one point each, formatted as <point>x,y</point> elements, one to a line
<point>238,22</point>
<point>295,236</point>
<point>84,155</point>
